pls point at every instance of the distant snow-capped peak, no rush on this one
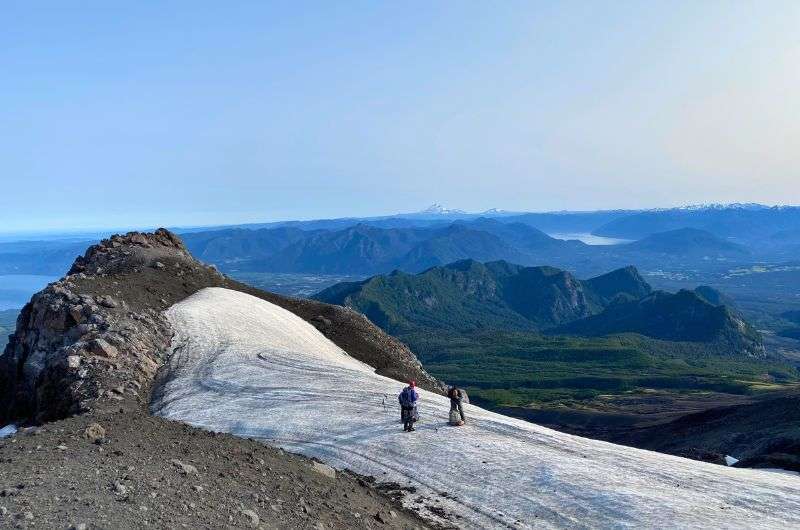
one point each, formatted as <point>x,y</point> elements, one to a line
<point>438,209</point>
<point>713,206</point>
<point>729,206</point>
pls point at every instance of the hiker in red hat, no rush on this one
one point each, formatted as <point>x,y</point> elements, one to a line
<point>408,406</point>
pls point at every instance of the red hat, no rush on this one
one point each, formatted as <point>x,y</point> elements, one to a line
<point>412,383</point>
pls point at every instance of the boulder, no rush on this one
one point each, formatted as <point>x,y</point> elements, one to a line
<point>324,470</point>
<point>185,469</point>
<point>76,312</point>
<point>102,348</point>
<point>107,301</point>
<point>252,518</point>
<point>119,488</point>
<point>94,432</point>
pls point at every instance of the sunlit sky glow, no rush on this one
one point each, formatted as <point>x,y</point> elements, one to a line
<point>191,113</point>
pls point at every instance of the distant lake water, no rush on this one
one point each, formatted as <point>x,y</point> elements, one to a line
<point>591,239</point>
<point>16,289</point>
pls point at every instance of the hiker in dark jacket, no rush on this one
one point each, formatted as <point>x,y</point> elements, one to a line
<point>408,406</point>
<point>456,397</point>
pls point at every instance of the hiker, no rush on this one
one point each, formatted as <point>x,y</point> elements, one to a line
<point>456,406</point>
<point>408,406</point>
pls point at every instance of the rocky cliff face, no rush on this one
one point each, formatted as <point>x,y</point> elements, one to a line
<point>97,338</point>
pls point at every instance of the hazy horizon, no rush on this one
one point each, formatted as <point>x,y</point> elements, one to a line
<point>87,232</point>
<point>198,114</point>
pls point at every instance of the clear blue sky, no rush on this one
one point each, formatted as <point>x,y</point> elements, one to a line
<point>167,113</point>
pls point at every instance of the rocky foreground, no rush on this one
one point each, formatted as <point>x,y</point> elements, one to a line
<point>79,373</point>
<point>126,469</point>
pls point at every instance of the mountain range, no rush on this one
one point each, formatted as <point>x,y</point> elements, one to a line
<point>469,296</point>
<point>687,242</point>
<point>685,316</point>
<point>364,249</point>
<point>692,237</point>
<point>742,222</point>
<point>367,249</point>
<point>747,223</point>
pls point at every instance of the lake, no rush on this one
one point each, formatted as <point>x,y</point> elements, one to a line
<point>591,239</point>
<point>16,289</point>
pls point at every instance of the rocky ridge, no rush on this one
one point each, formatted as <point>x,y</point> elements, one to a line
<point>80,370</point>
<point>97,338</point>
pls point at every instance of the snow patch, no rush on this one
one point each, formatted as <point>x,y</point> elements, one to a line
<point>8,430</point>
<point>245,366</point>
<point>730,460</point>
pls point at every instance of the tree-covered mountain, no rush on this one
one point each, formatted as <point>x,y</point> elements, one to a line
<point>520,235</point>
<point>687,242</point>
<point>238,244</point>
<point>667,239</point>
<point>626,281</point>
<point>468,296</point>
<point>367,249</point>
<point>569,222</point>
<point>358,249</point>
<point>715,297</point>
<point>457,242</point>
<point>413,243</point>
<point>707,238</point>
<point>685,316</point>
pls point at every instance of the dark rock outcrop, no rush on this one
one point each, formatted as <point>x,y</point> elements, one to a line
<point>96,338</point>
<point>765,434</point>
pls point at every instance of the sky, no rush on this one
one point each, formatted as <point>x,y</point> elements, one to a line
<point>128,114</point>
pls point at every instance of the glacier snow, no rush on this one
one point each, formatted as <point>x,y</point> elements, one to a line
<point>8,430</point>
<point>245,366</point>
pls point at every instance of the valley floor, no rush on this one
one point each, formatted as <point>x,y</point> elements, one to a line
<point>245,366</point>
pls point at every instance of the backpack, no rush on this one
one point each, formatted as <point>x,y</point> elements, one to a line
<point>455,418</point>
<point>407,397</point>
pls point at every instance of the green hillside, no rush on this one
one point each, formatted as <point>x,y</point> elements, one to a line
<point>537,338</point>
<point>470,296</point>
<point>682,316</point>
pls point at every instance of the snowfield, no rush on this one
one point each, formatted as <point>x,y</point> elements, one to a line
<point>248,367</point>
